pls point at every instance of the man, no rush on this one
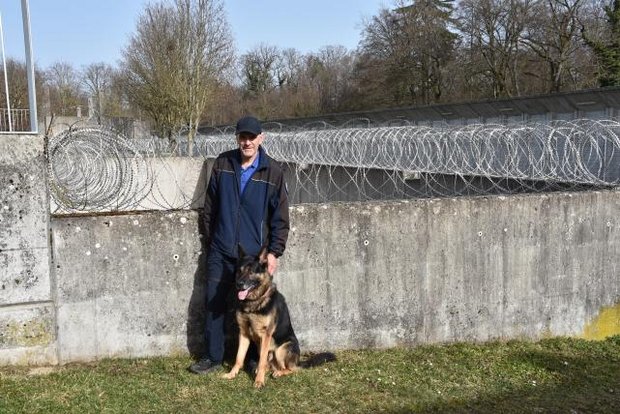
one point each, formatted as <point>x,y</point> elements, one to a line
<point>247,204</point>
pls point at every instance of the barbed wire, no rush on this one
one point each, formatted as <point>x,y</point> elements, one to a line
<point>95,168</point>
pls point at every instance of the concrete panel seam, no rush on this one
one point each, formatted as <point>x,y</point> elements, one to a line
<point>10,249</point>
<point>26,305</point>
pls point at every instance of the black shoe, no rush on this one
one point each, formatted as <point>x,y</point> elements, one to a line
<point>205,366</point>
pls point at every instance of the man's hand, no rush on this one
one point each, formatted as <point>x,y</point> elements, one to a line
<point>272,263</point>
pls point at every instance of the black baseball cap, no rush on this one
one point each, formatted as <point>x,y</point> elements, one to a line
<point>248,124</point>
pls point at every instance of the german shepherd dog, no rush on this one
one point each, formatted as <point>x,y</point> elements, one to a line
<point>263,318</point>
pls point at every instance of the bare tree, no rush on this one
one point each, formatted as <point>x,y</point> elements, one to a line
<point>18,92</point>
<point>97,79</point>
<point>330,71</point>
<point>292,67</point>
<point>174,61</point>
<point>65,93</point>
<point>17,82</point>
<point>552,33</point>
<point>263,80</point>
<point>260,71</point>
<point>492,31</point>
<point>283,83</point>
<point>151,64</point>
<point>298,94</point>
<point>208,53</point>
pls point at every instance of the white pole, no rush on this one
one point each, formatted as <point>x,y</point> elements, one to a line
<point>32,96</point>
<point>6,79</point>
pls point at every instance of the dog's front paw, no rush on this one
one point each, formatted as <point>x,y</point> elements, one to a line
<point>259,384</point>
<point>282,372</point>
<point>230,375</point>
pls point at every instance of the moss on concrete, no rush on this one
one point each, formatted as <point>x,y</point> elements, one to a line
<point>606,324</point>
<point>26,333</point>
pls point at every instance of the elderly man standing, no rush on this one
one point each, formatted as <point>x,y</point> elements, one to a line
<point>246,204</point>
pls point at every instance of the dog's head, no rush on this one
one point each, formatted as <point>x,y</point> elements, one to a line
<point>252,279</point>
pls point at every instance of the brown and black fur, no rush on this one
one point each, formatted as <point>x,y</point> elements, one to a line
<point>264,319</point>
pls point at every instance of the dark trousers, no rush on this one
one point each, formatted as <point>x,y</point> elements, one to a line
<point>220,288</point>
<point>220,283</point>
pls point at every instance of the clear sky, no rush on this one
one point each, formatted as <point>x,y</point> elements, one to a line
<point>88,31</point>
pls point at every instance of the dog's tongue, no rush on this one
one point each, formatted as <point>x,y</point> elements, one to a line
<point>242,294</point>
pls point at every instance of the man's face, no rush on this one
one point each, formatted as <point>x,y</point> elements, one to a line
<point>248,144</point>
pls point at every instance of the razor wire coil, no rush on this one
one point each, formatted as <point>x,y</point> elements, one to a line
<point>95,168</point>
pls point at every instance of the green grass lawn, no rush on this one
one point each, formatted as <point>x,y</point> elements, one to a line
<point>555,375</point>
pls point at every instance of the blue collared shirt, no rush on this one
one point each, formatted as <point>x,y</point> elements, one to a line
<point>247,173</point>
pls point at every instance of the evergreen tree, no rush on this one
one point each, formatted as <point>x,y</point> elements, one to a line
<point>608,50</point>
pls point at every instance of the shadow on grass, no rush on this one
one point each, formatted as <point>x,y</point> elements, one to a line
<point>573,384</point>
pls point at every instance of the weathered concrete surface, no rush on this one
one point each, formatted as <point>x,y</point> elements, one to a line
<point>27,335</point>
<point>24,217</point>
<point>178,181</point>
<point>124,283</point>
<point>385,274</point>
<point>168,183</point>
<point>355,275</point>
<point>27,314</point>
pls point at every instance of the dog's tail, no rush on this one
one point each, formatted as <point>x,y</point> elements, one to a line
<point>314,360</point>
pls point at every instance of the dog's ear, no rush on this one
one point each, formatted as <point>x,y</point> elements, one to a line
<point>262,255</point>
<point>240,252</point>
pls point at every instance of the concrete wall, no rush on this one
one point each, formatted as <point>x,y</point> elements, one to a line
<point>27,314</point>
<point>125,283</point>
<point>453,269</point>
<point>166,183</point>
<point>355,275</point>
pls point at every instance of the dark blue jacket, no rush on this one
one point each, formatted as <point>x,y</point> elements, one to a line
<point>257,218</point>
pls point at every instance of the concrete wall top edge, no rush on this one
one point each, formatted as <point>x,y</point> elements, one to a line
<point>4,134</point>
<point>374,203</point>
<point>555,194</point>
